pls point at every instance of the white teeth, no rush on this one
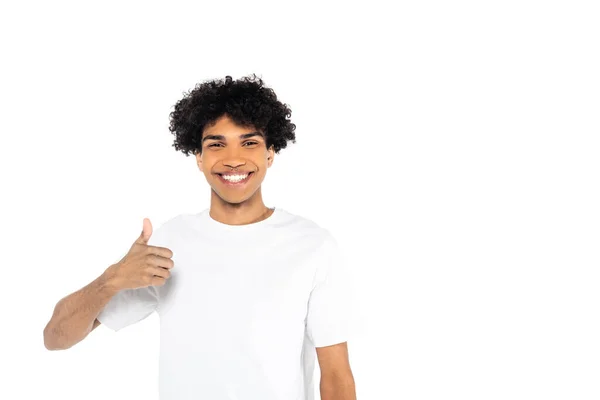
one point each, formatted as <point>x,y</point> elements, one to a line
<point>234,178</point>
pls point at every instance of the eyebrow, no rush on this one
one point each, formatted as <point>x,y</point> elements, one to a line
<point>242,136</point>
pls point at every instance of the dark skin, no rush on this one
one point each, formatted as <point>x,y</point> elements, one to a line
<point>226,145</point>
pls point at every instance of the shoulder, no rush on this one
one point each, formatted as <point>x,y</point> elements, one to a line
<point>299,221</point>
<point>165,230</point>
<point>308,228</point>
<point>179,222</point>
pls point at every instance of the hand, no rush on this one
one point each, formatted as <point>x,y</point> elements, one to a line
<point>143,265</point>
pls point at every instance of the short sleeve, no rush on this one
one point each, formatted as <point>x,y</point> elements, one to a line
<point>329,306</point>
<point>129,306</point>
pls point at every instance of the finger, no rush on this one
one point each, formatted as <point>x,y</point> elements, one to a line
<point>159,261</point>
<point>157,281</point>
<point>146,232</point>
<point>162,272</point>
<point>160,251</point>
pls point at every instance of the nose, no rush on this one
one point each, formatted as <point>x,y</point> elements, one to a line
<point>232,157</point>
<point>233,163</point>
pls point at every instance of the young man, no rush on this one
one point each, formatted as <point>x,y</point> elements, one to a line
<point>249,296</point>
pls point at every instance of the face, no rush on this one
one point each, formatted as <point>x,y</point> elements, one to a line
<point>234,160</point>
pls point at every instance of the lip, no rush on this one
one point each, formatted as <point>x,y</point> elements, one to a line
<point>235,184</point>
<point>234,172</point>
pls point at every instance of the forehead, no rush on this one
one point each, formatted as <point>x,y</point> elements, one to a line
<point>224,126</point>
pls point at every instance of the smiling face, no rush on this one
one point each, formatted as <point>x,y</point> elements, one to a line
<point>234,160</point>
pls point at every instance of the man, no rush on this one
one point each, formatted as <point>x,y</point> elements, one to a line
<point>249,297</point>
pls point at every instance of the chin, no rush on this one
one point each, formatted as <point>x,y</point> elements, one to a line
<point>231,199</point>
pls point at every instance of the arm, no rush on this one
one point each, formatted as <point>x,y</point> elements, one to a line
<point>337,381</point>
<point>74,316</point>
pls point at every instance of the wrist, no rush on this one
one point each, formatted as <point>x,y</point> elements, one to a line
<point>109,280</point>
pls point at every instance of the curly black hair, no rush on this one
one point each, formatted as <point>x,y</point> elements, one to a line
<point>246,101</point>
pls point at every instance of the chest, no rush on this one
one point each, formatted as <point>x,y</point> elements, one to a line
<point>222,291</point>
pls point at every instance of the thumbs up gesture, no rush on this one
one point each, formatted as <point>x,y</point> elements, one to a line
<point>143,265</point>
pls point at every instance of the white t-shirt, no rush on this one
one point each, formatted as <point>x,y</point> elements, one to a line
<point>244,308</point>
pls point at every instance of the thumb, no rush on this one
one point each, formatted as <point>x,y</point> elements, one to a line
<point>146,232</point>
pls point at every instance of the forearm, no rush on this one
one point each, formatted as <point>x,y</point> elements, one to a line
<point>74,315</point>
<point>338,387</point>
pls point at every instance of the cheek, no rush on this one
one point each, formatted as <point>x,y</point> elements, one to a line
<point>207,164</point>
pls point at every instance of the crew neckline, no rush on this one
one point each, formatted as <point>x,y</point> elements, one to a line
<point>244,227</point>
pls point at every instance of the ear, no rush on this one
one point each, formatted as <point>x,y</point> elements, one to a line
<point>199,161</point>
<point>270,156</point>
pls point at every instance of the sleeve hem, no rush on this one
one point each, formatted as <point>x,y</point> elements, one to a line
<point>332,340</point>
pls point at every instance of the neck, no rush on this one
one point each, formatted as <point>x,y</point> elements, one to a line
<point>247,212</point>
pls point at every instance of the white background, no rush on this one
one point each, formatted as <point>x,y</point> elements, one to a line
<point>451,147</point>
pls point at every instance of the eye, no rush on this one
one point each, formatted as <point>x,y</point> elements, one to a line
<point>214,144</point>
<point>250,143</point>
